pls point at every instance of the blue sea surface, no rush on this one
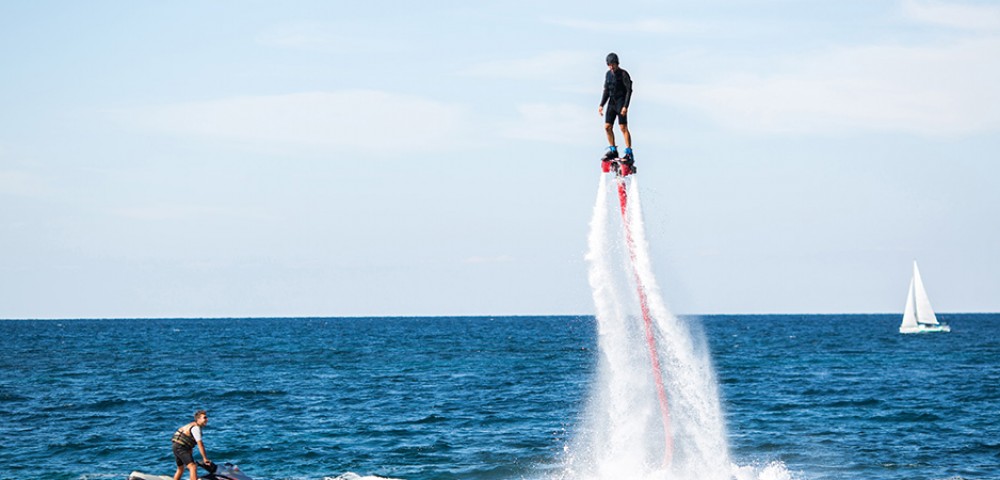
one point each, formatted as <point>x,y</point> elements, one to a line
<point>830,396</point>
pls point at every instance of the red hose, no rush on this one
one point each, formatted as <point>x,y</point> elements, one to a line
<point>661,391</point>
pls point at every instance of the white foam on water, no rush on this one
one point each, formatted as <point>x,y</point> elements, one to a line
<point>622,435</point>
<point>771,471</point>
<point>354,476</point>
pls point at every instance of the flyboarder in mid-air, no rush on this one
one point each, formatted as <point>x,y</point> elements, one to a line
<point>617,95</point>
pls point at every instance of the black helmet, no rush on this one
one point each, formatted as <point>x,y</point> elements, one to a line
<point>612,58</point>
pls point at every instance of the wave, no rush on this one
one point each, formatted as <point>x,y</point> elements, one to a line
<point>252,394</point>
<point>432,418</point>
<point>771,471</point>
<point>103,405</point>
<point>354,476</point>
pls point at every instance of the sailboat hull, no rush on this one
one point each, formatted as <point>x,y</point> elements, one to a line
<point>925,328</point>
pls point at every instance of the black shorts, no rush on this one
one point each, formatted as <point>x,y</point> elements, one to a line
<point>182,455</point>
<point>614,111</point>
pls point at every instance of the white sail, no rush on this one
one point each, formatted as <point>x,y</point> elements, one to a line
<point>925,314</point>
<point>918,316</point>
<point>910,313</point>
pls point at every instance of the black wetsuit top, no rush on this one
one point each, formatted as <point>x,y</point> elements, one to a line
<point>617,88</point>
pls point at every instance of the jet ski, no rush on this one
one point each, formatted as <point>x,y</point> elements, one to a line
<point>226,471</point>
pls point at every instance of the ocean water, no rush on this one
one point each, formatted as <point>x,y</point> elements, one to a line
<point>803,396</point>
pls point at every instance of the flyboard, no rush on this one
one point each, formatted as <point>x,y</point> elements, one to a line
<point>622,168</point>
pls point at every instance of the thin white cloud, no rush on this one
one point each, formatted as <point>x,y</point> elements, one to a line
<point>553,123</point>
<point>324,37</point>
<point>941,90</point>
<point>23,184</point>
<point>164,212</point>
<point>961,16</point>
<point>381,122</point>
<point>645,26</point>
<point>486,259</point>
<point>553,65</point>
<point>302,36</point>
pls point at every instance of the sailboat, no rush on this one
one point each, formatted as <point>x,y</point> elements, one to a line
<point>918,317</point>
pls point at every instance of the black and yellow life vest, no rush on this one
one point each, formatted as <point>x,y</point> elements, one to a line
<point>183,439</point>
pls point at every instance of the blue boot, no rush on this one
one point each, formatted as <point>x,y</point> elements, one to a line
<point>627,165</point>
<point>611,154</point>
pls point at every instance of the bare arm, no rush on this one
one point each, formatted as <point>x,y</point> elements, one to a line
<point>201,448</point>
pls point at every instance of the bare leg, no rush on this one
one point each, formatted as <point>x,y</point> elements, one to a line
<point>193,468</point>
<point>625,132</point>
<point>611,134</point>
<point>180,471</point>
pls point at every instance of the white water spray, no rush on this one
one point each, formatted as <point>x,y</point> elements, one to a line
<point>624,435</point>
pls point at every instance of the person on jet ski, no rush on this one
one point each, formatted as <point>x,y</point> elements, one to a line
<point>184,441</point>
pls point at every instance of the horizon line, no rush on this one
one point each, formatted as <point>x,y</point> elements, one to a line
<point>404,317</point>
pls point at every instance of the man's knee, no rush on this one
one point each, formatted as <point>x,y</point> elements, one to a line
<point>607,127</point>
<point>624,127</point>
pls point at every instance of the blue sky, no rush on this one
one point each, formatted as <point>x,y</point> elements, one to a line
<point>440,158</point>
